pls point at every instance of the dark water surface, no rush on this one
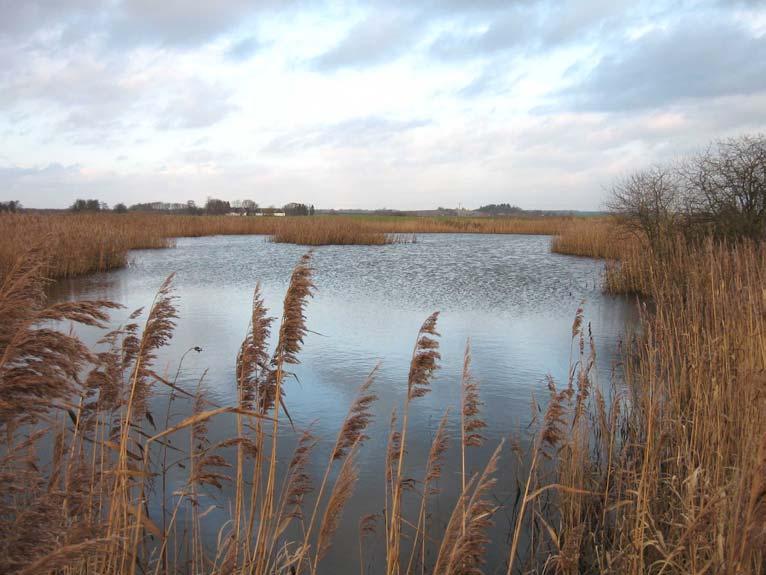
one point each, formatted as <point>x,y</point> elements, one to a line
<point>508,293</point>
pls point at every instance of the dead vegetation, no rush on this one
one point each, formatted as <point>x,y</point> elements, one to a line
<point>661,476</point>
<point>78,244</point>
<point>660,471</point>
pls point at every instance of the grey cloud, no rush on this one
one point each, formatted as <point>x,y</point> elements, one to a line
<point>357,133</point>
<point>378,38</point>
<point>510,30</point>
<point>694,60</point>
<point>530,26</point>
<point>19,18</point>
<point>11,174</point>
<point>126,23</point>
<point>175,22</point>
<point>30,185</point>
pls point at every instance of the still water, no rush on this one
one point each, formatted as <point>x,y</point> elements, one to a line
<point>513,298</point>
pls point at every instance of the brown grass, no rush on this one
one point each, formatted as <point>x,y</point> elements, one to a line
<point>332,231</point>
<point>661,473</point>
<point>77,244</point>
<point>594,238</point>
<point>667,475</point>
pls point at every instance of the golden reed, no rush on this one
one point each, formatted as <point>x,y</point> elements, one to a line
<point>78,244</point>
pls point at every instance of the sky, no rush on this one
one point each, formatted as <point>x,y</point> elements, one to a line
<point>382,104</point>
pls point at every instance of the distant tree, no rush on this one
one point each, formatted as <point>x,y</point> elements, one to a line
<point>10,207</point>
<point>649,201</point>
<point>80,205</point>
<point>726,187</point>
<point>215,206</point>
<point>295,209</point>
<point>500,209</point>
<point>249,206</point>
<point>120,208</point>
<point>191,208</point>
<point>311,210</point>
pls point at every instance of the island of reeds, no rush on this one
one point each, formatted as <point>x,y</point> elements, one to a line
<point>666,475</point>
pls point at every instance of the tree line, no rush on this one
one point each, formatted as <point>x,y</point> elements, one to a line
<point>10,207</point>
<point>500,209</point>
<point>213,206</point>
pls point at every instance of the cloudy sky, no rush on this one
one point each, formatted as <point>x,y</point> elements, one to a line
<point>409,104</point>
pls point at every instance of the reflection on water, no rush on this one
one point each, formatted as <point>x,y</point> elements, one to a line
<point>514,299</point>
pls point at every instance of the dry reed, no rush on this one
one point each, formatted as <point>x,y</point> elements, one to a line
<point>77,244</point>
<point>662,473</point>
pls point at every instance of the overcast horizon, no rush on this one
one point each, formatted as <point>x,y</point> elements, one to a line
<point>367,105</point>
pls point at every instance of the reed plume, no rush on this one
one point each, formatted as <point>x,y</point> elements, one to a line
<point>293,327</point>
<point>425,359</point>
<point>292,330</point>
<point>423,364</point>
<point>341,493</point>
<point>433,472</point>
<point>367,528</point>
<point>350,436</point>
<point>253,357</point>
<point>298,483</point>
<point>471,421</point>
<point>40,366</point>
<point>158,331</point>
<point>358,418</point>
<point>465,539</point>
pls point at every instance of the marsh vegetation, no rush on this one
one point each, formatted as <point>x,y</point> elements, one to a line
<point>660,469</point>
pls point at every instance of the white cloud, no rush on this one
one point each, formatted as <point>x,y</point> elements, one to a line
<point>533,102</point>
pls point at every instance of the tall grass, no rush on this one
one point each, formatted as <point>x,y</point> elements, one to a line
<point>660,472</point>
<point>594,237</point>
<point>671,472</point>
<point>333,231</point>
<point>87,509</point>
<point>678,455</point>
<point>78,244</point>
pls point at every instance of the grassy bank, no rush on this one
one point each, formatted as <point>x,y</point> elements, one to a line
<point>687,493</point>
<point>82,244</point>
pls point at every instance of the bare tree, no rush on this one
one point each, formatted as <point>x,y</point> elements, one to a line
<point>650,202</point>
<point>727,185</point>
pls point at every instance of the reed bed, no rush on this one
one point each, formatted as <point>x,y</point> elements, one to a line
<point>79,244</point>
<point>670,473</point>
<point>76,244</point>
<point>678,454</point>
<point>659,471</point>
<point>87,508</point>
<point>530,225</point>
<point>334,231</point>
<point>595,238</point>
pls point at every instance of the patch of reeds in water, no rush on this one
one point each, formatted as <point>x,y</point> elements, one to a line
<point>333,231</point>
<point>593,237</point>
<point>77,244</point>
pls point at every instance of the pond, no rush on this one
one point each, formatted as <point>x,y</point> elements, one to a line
<point>514,299</point>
